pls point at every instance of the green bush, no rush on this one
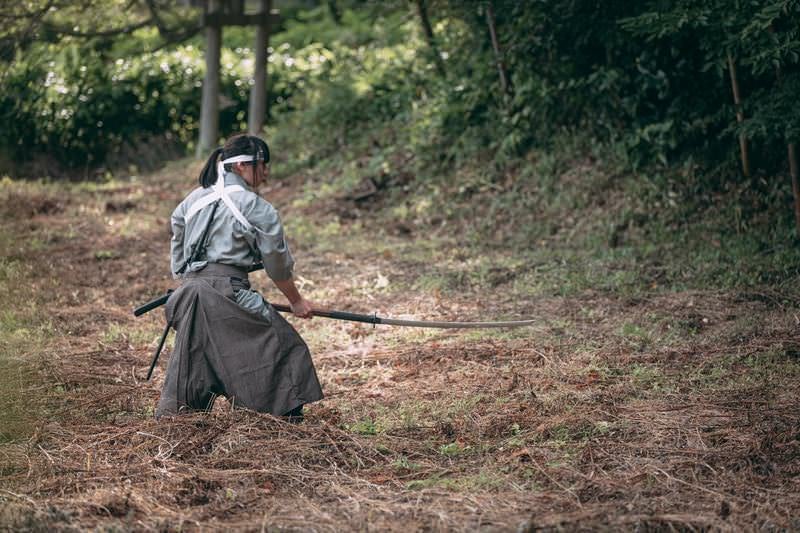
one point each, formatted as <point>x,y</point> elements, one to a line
<point>79,104</point>
<point>647,76</point>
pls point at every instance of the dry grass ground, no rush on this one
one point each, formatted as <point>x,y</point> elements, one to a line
<point>663,410</point>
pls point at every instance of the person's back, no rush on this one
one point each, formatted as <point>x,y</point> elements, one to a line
<point>230,342</point>
<point>230,242</point>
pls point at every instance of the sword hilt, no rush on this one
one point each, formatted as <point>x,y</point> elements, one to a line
<point>338,315</point>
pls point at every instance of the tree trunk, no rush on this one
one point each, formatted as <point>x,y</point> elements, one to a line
<point>795,184</point>
<point>258,93</point>
<point>739,116</point>
<point>209,113</point>
<point>427,29</point>
<point>505,82</point>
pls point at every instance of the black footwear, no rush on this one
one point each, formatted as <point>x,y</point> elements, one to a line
<point>295,416</point>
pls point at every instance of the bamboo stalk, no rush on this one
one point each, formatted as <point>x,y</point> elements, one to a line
<point>498,55</point>
<point>739,116</point>
<point>427,29</point>
<point>792,156</point>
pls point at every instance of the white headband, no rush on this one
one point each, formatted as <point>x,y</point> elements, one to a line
<point>234,159</point>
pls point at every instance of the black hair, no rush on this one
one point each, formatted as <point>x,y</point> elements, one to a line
<point>241,144</point>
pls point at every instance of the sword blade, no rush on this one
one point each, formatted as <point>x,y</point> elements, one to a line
<point>374,319</point>
<point>455,325</point>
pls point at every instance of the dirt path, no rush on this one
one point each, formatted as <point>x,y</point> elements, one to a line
<point>660,410</point>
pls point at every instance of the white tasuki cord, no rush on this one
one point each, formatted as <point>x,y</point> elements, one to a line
<point>221,192</point>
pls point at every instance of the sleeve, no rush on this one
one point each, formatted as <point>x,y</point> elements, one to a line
<point>177,225</point>
<point>270,240</point>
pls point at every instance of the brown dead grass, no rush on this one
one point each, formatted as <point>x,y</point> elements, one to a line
<point>670,411</point>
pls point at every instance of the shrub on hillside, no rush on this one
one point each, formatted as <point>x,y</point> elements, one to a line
<point>79,105</point>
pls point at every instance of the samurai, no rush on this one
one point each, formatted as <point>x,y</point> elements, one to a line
<point>230,341</point>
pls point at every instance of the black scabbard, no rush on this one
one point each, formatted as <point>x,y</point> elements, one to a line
<point>152,304</point>
<point>158,351</point>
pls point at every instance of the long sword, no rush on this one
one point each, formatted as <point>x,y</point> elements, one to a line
<point>369,319</point>
<point>355,317</point>
<point>375,319</point>
<point>337,315</point>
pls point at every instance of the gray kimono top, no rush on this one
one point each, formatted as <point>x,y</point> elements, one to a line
<point>229,241</point>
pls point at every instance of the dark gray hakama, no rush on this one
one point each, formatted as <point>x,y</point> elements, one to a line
<point>222,349</point>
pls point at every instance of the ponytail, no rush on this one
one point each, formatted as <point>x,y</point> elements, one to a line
<point>236,145</point>
<point>208,176</point>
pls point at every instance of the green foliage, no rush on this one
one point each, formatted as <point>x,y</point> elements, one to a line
<point>762,38</point>
<point>653,79</point>
<point>76,103</point>
<point>329,92</point>
<point>75,99</point>
<point>648,82</point>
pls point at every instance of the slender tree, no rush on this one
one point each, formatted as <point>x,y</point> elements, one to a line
<point>505,81</point>
<point>737,101</point>
<point>791,148</point>
<point>427,30</point>
<point>795,184</point>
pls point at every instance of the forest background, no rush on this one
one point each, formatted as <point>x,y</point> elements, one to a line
<point>691,103</point>
<point>628,167</point>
